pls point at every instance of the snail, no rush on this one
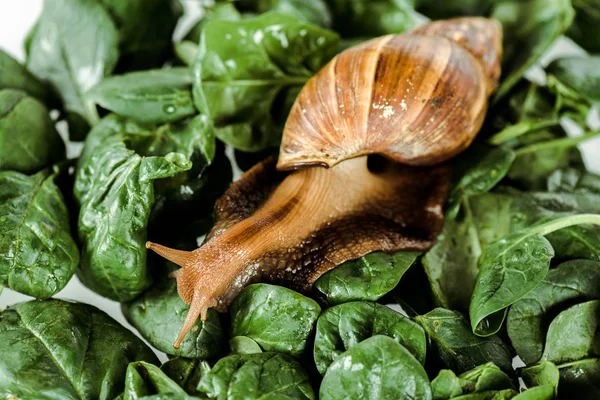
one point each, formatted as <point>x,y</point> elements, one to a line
<point>361,165</point>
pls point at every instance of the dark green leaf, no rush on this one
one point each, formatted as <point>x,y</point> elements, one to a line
<point>248,74</point>
<point>483,378</point>
<point>489,395</point>
<point>513,266</point>
<point>344,326</point>
<point>573,334</point>
<point>243,345</point>
<point>143,379</point>
<point>313,11</point>
<point>37,253</point>
<point>154,96</point>
<point>257,376</point>
<point>376,368</point>
<point>219,12</point>
<point>569,283</point>
<point>530,27</point>
<point>582,74</point>
<point>446,385</point>
<point>361,19</point>
<point>114,183</point>
<point>75,46</point>
<point>367,278</point>
<point>485,173</point>
<point>145,30</point>
<point>158,315</point>
<point>581,379</point>
<point>16,76</point>
<point>28,140</point>
<point>585,27</point>
<point>542,374</point>
<point>277,318</point>
<point>186,372</point>
<point>458,347</point>
<point>436,9</point>
<point>55,349</point>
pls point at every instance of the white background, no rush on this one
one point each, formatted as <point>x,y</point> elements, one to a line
<point>17,17</point>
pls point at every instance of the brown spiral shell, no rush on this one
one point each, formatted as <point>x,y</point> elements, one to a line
<point>418,98</point>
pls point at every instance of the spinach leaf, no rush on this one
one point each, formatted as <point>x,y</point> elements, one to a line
<point>38,256</point>
<point>513,266</point>
<point>543,374</point>
<point>159,313</point>
<point>571,282</point>
<point>358,19</point>
<point>446,385</point>
<point>145,30</point>
<point>573,334</point>
<point>485,172</point>
<point>483,378</point>
<point>218,12</point>
<point>15,76</point>
<point>253,376</point>
<point>572,180</point>
<point>143,380</point>
<point>545,392</point>
<point>580,74</point>
<point>371,370</point>
<point>367,278</point>
<point>452,8</point>
<point>585,27</point>
<point>154,96</point>
<point>57,349</point>
<point>530,27</point>
<point>581,378</point>
<point>186,372</point>
<point>28,139</point>
<point>248,74</point>
<point>243,345</point>
<point>344,326</point>
<point>75,45</point>
<point>277,318</point>
<point>458,348</point>
<point>313,11</point>
<point>114,183</point>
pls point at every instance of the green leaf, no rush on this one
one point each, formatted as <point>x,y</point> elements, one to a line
<point>313,11</point>
<point>358,19</point>
<point>15,76</point>
<point>376,368</point>
<point>584,29</point>
<point>530,27</point>
<point>154,96</point>
<point>158,315</point>
<point>57,349</point>
<point>513,266</point>
<point>485,172</point>
<point>344,326</point>
<point>219,12</point>
<point>186,372</point>
<point>581,74</point>
<point>483,378</point>
<point>143,379</point>
<point>248,74</point>
<point>458,347</point>
<point>572,180</point>
<point>114,183</point>
<point>446,385</point>
<point>145,30</point>
<point>571,282</point>
<point>28,139</point>
<point>573,334</point>
<point>257,376</point>
<point>243,345</point>
<point>545,392</point>
<point>368,278</point>
<point>38,256</point>
<point>435,9</point>
<point>277,318</point>
<point>543,374</point>
<point>74,47</point>
<point>581,379</point>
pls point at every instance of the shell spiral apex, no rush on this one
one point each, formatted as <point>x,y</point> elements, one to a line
<point>418,98</point>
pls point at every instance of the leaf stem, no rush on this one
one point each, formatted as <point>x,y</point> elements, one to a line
<point>564,222</point>
<point>521,128</point>
<point>558,143</point>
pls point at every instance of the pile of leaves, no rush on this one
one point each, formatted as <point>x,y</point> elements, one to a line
<point>515,272</point>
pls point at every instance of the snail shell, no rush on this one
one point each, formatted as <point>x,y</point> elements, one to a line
<point>417,98</point>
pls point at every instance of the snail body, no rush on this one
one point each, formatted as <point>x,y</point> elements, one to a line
<point>417,99</point>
